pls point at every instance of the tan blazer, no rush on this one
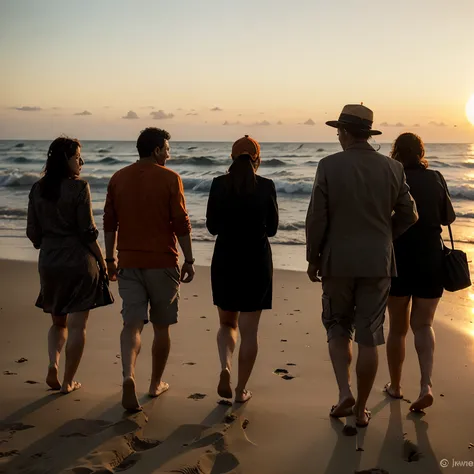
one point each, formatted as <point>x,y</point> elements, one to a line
<point>359,204</point>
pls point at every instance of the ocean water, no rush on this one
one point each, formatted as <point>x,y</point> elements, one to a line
<point>292,166</point>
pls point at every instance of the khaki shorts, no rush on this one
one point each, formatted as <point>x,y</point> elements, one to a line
<point>156,287</point>
<point>355,304</point>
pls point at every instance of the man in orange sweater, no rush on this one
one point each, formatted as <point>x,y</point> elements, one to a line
<point>144,219</point>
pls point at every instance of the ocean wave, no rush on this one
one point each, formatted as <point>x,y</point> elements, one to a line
<point>295,156</point>
<point>274,162</point>
<point>462,192</point>
<point>10,213</point>
<point>197,161</point>
<point>312,163</point>
<point>109,160</point>
<point>466,215</point>
<point>10,179</point>
<point>21,160</point>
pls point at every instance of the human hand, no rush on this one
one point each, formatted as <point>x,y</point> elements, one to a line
<point>112,270</point>
<point>187,272</point>
<point>313,270</point>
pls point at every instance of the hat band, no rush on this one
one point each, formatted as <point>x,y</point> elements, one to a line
<point>354,120</point>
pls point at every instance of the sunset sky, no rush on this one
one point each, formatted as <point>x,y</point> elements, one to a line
<point>272,68</point>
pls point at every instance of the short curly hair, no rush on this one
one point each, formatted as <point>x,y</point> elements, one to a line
<point>409,150</point>
<point>149,139</point>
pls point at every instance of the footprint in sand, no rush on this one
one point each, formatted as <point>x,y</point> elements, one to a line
<point>14,427</point>
<point>245,423</point>
<point>203,317</point>
<point>21,360</point>
<point>224,402</point>
<point>373,471</point>
<point>189,363</point>
<point>288,377</point>
<point>197,396</point>
<point>7,454</point>
<point>31,382</point>
<point>290,364</point>
<point>411,451</point>
<point>283,340</point>
<point>7,372</point>
<point>349,430</point>
<point>280,371</point>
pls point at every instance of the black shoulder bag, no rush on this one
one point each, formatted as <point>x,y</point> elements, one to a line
<point>456,267</point>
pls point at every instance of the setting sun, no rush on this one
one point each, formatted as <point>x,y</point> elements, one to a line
<point>470,109</point>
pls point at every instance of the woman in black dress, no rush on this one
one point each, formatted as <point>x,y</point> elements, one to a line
<point>61,225</point>
<point>416,292</point>
<point>243,212</point>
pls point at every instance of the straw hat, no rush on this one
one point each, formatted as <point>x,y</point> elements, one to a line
<point>356,116</point>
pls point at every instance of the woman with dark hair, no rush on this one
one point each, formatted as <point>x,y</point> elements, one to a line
<point>243,212</point>
<point>416,291</point>
<point>71,266</point>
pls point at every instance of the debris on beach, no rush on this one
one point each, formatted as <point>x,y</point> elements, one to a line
<point>197,396</point>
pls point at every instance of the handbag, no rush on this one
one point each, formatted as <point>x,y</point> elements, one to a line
<point>105,296</point>
<point>456,267</point>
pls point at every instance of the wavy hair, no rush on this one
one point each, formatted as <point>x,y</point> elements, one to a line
<point>409,150</point>
<point>57,167</point>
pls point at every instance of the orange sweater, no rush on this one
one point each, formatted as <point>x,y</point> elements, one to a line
<point>145,203</point>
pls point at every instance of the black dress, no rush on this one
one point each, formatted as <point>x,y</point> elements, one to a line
<point>242,267</point>
<point>419,251</point>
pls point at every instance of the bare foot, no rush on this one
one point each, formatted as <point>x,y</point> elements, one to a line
<point>224,389</point>
<point>129,396</point>
<point>343,408</point>
<point>362,417</point>
<point>425,400</point>
<point>157,391</point>
<point>393,392</point>
<point>72,387</point>
<point>242,396</point>
<point>52,378</point>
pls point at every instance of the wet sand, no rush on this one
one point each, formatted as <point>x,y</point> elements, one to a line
<point>284,428</point>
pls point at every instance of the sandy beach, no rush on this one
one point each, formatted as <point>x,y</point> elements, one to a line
<point>285,428</point>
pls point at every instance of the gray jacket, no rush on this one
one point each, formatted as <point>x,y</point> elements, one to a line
<point>360,203</point>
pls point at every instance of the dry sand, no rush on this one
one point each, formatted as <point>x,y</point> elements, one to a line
<point>285,428</point>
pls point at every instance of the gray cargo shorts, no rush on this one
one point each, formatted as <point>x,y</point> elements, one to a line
<point>154,287</point>
<point>355,304</point>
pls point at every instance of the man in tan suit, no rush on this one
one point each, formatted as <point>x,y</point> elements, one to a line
<point>360,203</point>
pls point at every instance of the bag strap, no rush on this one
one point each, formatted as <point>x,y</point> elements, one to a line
<point>445,186</point>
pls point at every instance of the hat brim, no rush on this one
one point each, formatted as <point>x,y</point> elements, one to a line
<point>338,124</point>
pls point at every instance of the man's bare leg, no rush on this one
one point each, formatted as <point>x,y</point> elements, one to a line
<point>76,325</point>
<point>399,313</point>
<point>366,369</point>
<point>160,352</point>
<point>340,350</point>
<point>226,341</point>
<point>422,316</point>
<point>57,336</point>
<point>130,345</point>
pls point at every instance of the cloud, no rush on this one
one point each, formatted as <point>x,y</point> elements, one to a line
<point>398,124</point>
<point>437,124</point>
<point>131,115</point>
<point>264,123</point>
<point>310,122</point>
<point>86,112</point>
<point>55,108</point>
<point>216,109</point>
<point>230,124</point>
<point>161,115</point>
<point>149,107</point>
<point>29,109</point>
<point>107,107</point>
<point>416,125</point>
<point>279,122</point>
<point>192,113</point>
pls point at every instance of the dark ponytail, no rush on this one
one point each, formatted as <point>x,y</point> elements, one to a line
<point>57,167</point>
<point>242,175</point>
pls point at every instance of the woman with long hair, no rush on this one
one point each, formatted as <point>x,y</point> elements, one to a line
<point>418,288</point>
<point>71,265</point>
<point>243,212</point>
